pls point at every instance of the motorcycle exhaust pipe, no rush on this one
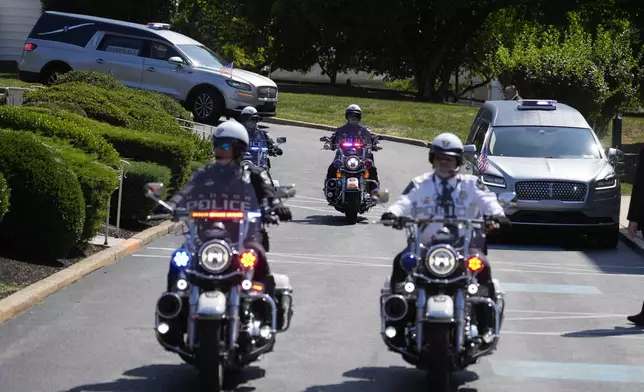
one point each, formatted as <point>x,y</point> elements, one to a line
<point>169,305</point>
<point>395,307</point>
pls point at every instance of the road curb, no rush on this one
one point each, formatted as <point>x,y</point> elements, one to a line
<point>636,244</point>
<point>283,121</point>
<point>24,299</point>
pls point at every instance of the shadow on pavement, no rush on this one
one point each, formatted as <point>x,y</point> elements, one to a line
<point>599,333</point>
<point>330,220</point>
<point>166,378</point>
<point>393,378</point>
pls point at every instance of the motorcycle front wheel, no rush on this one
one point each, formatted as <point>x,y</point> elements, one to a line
<point>211,367</point>
<point>439,369</point>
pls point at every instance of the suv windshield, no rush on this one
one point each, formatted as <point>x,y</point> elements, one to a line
<point>543,142</point>
<point>203,56</point>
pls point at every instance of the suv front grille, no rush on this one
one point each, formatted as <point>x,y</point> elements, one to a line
<point>551,190</point>
<point>267,92</point>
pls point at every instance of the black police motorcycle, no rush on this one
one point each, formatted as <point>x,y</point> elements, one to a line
<point>214,315</point>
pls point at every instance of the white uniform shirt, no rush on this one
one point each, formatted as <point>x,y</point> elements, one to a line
<point>471,200</point>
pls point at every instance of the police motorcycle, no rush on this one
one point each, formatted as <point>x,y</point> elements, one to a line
<point>257,155</point>
<point>430,318</point>
<point>214,315</point>
<point>348,192</point>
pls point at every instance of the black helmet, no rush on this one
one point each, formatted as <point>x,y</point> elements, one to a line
<point>448,144</point>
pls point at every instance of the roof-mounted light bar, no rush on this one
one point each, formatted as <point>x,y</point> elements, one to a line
<point>537,104</point>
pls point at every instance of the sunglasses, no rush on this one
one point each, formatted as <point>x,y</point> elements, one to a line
<point>223,146</point>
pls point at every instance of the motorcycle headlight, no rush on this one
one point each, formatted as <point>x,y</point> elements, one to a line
<point>215,256</point>
<point>353,163</point>
<point>441,261</point>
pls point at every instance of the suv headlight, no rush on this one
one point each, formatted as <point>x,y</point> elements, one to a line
<point>238,85</point>
<point>606,183</point>
<point>498,182</point>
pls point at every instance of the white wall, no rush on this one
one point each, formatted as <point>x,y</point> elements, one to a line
<point>17,18</point>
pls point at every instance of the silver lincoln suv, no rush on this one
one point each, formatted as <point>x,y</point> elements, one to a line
<point>150,57</point>
<point>547,154</point>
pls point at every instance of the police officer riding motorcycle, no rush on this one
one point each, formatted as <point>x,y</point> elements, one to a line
<point>257,137</point>
<point>354,129</point>
<point>230,141</point>
<point>445,193</point>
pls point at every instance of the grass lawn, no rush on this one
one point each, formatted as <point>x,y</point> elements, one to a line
<point>11,80</point>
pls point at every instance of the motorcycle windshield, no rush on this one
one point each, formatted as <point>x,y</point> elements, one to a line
<point>222,203</point>
<point>257,151</point>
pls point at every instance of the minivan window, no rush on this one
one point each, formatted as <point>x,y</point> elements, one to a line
<point>543,142</point>
<point>121,45</point>
<point>201,55</point>
<point>159,51</point>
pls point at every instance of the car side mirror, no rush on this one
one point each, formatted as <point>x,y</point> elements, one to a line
<point>176,60</point>
<point>154,190</point>
<point>615,156</point>
<point>380,197</point>
<point>281,140</point>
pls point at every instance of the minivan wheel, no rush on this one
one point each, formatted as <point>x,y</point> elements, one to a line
<point>50,74</point>
<point>207,106</point>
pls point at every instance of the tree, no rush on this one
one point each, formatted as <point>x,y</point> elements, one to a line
<point>236,30</point>
<point>139,11</point>
<point>317,31</point>
<point>593,71</point>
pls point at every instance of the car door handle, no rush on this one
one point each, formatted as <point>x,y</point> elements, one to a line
<point>100,61</point>
<point>151,69</point>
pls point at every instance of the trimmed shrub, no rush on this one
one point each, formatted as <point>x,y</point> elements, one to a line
<point>4,196</point>
<point>47,206</point>
<point>90,77</point>
<point>55,107</point>
<point>43,122</point>
<point>127,108</point>
<point>168,151</point>
<point>135,206</point>
<point>98,182</point>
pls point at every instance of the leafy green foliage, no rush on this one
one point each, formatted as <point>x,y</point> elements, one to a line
<point>592,73</point>
<point>5,192</point>
<point>47,206</point>
<point>134,205</point>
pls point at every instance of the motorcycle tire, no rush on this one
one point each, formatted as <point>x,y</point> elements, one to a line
<point>439,369</point>
<point>352,204</point>
<point>211,366</point>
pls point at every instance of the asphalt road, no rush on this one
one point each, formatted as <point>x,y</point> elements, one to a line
<point>565,327</point>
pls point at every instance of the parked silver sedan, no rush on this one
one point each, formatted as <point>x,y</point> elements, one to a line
<point>547,154</point>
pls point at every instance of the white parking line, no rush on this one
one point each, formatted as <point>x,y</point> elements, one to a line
<point>564,273</point>
<point>564,317</point>
<point>635,334</point>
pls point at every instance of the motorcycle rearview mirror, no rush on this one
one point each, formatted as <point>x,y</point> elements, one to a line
<point>327,146</point>
<point>469,149</point>
<point>154,190</point>
<point>506,199</point>
<point>324,139</point>
<point>281,140</point>
<point>380,197</point>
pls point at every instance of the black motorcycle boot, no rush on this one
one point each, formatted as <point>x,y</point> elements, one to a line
<point>637,319</point>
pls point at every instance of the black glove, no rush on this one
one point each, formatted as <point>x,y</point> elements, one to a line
<point>284,213</point>
<point>391,216</point>
<point>277,151</point>
<point>503,220</point>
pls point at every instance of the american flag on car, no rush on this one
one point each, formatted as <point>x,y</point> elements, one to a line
<point>482,162</point>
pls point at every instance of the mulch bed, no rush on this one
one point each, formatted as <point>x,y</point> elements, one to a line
<point>16,274</point>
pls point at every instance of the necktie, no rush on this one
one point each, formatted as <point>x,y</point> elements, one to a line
<point>446,200</point>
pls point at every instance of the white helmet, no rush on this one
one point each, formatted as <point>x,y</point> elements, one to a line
<point>353,108</point>
<point>249,112</point>
<point>234,133</point>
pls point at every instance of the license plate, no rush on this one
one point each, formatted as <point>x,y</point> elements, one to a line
<point>353,183</point>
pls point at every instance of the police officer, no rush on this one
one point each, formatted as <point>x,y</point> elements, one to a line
<point>250,119</point>
<point>230,141</point>
<point>446,193</point>
<point>352,129</point>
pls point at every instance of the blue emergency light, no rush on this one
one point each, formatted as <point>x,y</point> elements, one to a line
<point>537,104</point>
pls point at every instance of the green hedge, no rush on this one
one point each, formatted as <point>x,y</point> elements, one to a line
<point>168,151</point>
<point>47,206</point>
<point>98,182</point>
<point>57,106</point>
<point>4,196</point>
<point>43,122</point>
<point>135,206</point>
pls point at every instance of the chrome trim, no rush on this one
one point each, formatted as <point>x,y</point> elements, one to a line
<point>440,281</point>
<point>255,296</point>
<point>497,315</point>
<point>213,277</point>
<point>175,349</point>
<point>193,300</point>
<point>447,247</point>
<point>224,245</point>
<point>421,302</point>
<point>399,350</point>
<point>287,317</point>
<point>233,315</point>
<point>459,317</point>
